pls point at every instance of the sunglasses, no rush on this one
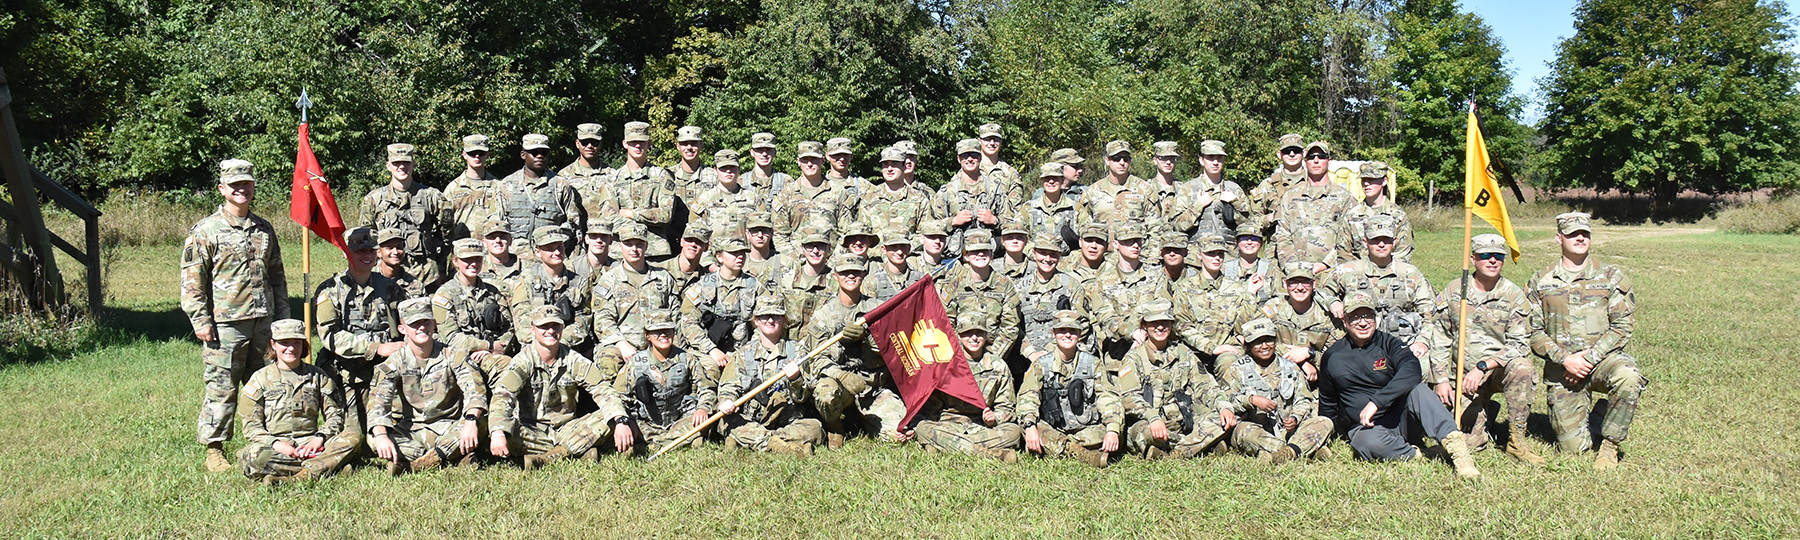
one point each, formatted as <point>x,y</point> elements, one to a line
<point>1316,155</point>
<point>1290,151</point>
<point>970,155</point>
<point>1490,256</point>
<point>588,142</point>
<point>1120,157</point>
<point>539,153</point>
<point>476,153</point>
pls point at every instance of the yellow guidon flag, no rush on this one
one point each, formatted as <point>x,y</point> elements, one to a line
<point>1482,198</point>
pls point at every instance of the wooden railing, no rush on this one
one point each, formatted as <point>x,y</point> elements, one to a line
<point>26,230</point>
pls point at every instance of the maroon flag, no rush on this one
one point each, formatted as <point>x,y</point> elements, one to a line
<point>920,348</point>
<point>312,205</point>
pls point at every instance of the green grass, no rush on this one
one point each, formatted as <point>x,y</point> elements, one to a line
<point>100,444</point>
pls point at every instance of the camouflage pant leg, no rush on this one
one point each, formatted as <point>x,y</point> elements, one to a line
<point>1517,381</point>
<point>834,394</point>
<point>1204,435</point>
<point>882,410</point>
<point>240,348</point>
<point>1057,442</point>
<point>1311,434</point>
<point>969,437</point>
<point>444,438</point>
<point>258,461</point>
<point>1139,442</point>
<point>1570,405</point>
<point>1251,437</point>
<point>756,436</point>
<point>584,432</point>
<point>655,437</point>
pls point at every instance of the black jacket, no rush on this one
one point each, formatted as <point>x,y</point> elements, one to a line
<point>1383,372</point>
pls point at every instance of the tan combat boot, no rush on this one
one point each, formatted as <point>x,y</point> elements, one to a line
<point>1458,448</point>
<point>1608,458</point>
<point>834,440</point>
<point>779,446</point>
<point>1005,455</point>
<point>1323,453</point>
<point>1519,448</point>
<point>216,460</point>
<point>1089,456</point>
<point>429,461</point>
<point>1155,453</point>
<point>538,461</point>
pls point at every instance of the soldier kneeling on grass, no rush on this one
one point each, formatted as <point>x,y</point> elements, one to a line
<point>535,400</point>
<point>775,420</point>
<point>293,414</point>
<point>425,405</point>
<point>1068,401</point>
<point>1276,414</point>
<point>667,390</point>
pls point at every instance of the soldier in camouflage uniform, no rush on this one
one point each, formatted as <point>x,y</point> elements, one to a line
<point>895,272</point>
<point>811,200</point>
<point>838,152</point>
<point>1073,165</point>
<point>952,425</point>
<point>1088,263</point>
<point>693,261</point>
<point>501,266</point>
<point>1167,392</point>
<point>852,380</point>
<point>421,211</point>
<point>1165,188</point>
<point>1499,335</point>
<point>806,284</point>
<point>1013,259</point>
<point>1374,203</point>
<point>548,282</point>
<point>715,311</point>
<point>391,254</point>
<point>763,175</point>
<point>1247,265</point>
<point>691,174</point>
<point>1403,298</point>
<point>1113,295</point>
<point>1212,205</point>
<point>1172,267</point>
<point>1304,323</point>
<point>534,197</point>
<point>1581,321</point>
<point>595,256</point>
<point>911,151</point>
<point>624,293</point>
<point>293,415</point>
<point>775,420</point>
<point>1266,197</point>
<point>1069,402</point>
<point>1051,210</point>
<point>763,260</point>
<point>357,326</point>
<point>976,287</point>
<point>933,240</point>
<point>1210,307</point>
<point>591,179</point>
<point>425,407</point>
<point>1042,293</point>
<point>970,202</point>
<point>667,390</point>
<point>859,239</point>
<point>725,205</point>
<point>535,401</point>
<point>897,204</point>
<point>1121,197</point>
<point>1310,222</point>
<point>475,194</point>
<point>472,313</point>
<point>995,170</point>
<point>1275,412</point>
<point>643,192</point>
<point>233,284</point>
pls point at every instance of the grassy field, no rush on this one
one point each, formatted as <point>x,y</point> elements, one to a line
<point>100,444</point>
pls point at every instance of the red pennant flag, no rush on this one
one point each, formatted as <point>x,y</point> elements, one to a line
<point>312,205</point>
<point>920,348</point>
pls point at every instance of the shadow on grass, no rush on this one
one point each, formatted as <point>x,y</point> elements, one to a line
<point>35,340</point>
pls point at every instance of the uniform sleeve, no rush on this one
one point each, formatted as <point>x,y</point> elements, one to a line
<point>692,332</point>
<point>729,385</point>
<point>579,331</point>
<point>382,393</point>
<point>1242,204</point>
<point>599,385</point>
<point>1205,390</point>
<point>1233,386</point>
<point>662,200</point>
<point>1129,380</point>
<point>1304,405</point>
<point>1403,238</point>
<point>334,335</point>
<point>520,304</point>
<point>196,281</point>
<point>504,414</point>
<point>1005,398</point>
<point>365,210</point>
<point>1008,333</point>
<point>454,330</point>
<point>1621,308</point>
<point>1183,216</point>
<point>1542,343</point>
<point>474,387</point>
<point>606,313</point>
<point>1108,398</point>
<point>250,411</point>
<point>573,211</point>
<point>1030,395</point>
<point>706,382</point>
<point>335,407</point>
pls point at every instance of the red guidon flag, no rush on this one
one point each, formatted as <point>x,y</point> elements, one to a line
<point>920,348</point>
<point>312,205</point>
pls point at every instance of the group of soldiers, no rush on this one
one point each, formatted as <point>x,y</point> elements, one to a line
<point>533,317</point>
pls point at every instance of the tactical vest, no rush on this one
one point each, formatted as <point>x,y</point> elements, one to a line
<point>547,289</point>
<point>1068,402</point>
<point>886,287</point>
<point>527,209</point>
<point>724,321</point>
<point>661,403</point>
<point>1235,267</point>
<point>1393,306</point>
<point>1037,310</point>
<point>1250,378</point>
<point>409,215</point>
<point>1183,401</point>
<point>752,371</point>
<point>487,319</point>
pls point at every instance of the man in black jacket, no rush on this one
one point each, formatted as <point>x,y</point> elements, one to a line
<point>1371,383</point>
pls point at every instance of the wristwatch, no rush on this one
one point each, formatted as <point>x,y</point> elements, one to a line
<point>1482,365</point>
<point>470,417</point>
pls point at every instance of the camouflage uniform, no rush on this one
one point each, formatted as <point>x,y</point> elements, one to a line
<point>1282,382</point>
<point>649,192</point>
<point>530,203</point>
<point>995,299</point>
<point>662,394</point>
<point>566,291</point>
<point>776,418</point>
<point>1499,333</point>
<point>592,185</point>
<point>1044,217</point>
<point>723,209</point>
<point>1310,224</point>
<point>1040,300</point>
<point>961,194</point>
<point>1266,197</point>
<point>420,211</point>
<point>536,402</point>
<point>1118,204</point>
<point>1362,214</point>
<point>473,317</point>
<point>293,406</point>
<point>882,284</point>
<point>1113,295</point>
<point>715,312</point>
<point>1171,385</point>
<point>999,171</point>
<point>423,401</point>
<point>1208,312</point>
<point>904,210</point>
<point>1403,298</point>
<point>232,281</point>
<point>621,297</point>
<point>1073,402</point>
<point>826,207</point>
<point>1313,329</point>
<point>852,378</point>
<point>354,319</point>
<point>953,425</point>
<point>752,176</point>
<point>1590,309</point>
<point>1217,217</point>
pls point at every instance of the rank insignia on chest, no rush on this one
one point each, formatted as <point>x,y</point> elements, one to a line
<point>1380,363</point>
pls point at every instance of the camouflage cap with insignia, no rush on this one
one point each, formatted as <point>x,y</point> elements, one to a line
<point>970,321</point>
<point>837,145</point>
<point>1165,149</point>
<point>1171,240</point>
<point>1291,140</point>
<point>725,158</point>
<point>977,240</point>
<point>1114,148</point>
<point>475,142</point>
<point>1249,228</point>
<point>545,315</point>
<point>548,234</point>
<point>762,139</point>
<point>725,242</point>
<point>414,310</point>
<point>1212,147</point>
<point>1373,169</point>
<point>1049,242</point>
<point>1156,311</point>
<point>600,225</point>
<point>689,134</point>
<point>467,248</point>
<point>769,304</point>
<point>813,235</point>
<point>893,154</point>
<point>1318,146</point>
<point>1066,156</point>
<point>657,320</point>
<point>1298,269</point>
<point>287,329</point>
<point>1488,243</point>
<point>698,231</point>
<point>360,238</point>
<point>636,131</point>
<point>1358,300</point>
<point>1212,242</point>
<point>630,230</point>
<point>911,149</point>
<point>862,229</point>
<point>1067,319</point>
<point>933,228</point>
<point>1050,170</point>
<point>1128,231</point>
<point>895,236</point>
<point>399,152</point>
<point>1013,226</point>
<point>1378,227</point>
<point>494,226</point>
<point>534,141</point>
<point>759,220</point>
<point>588,132</point>
<point>967,146</point>
<point>389,234</point>
<point>1095,230</point>
<point>1258,328</point>
<point>1571,222</point>
<point>989,130</point>
<point>847,261</point>
<point>232,171</point>
<point>808,149</point>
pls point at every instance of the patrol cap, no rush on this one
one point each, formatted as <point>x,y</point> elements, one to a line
<point>1373,169</point>
<point>588,132</point>
<point>600,225</point>
<point>1249,228</point>
<point>1049,242</point>
<point>1571,222</point>
<point>1171,240</point>
<point>911,149</point>
<point>697,231</point>
<point>1291,140</point>
<point>689,134</point>
<point>893,154</point>
<point>1165,149</point>
<point>232,171</point>
<point>837,145</point>
<point>548,234</point>
<point>978,240</point>
<point>659,319</point>
<point>989,130</point>
<point>933,228</point>
<point>1013,226</point>
<point>399,152</point>
<point>1488,243</point>
<point>970,321</point>
<point>862,229</point>
<point>1358,300</point>
<point>1258,328</point>
<point>475,142</point>
<point>630,230</point>
<point>813,235</point>
<point>966,146</point>
<point>759,220</point>
<point>1297,269</point>
<point>495,225</point>
<point>1117,147</point>
<point>1050,170</point>
<point>1378,227</point>
<point>1095,230</point>
<point>545,315</point>
<point>467,248</point>
<point>725,158</point>
<point>287,329</point>
<point>729,243</point>
<point>360,238</point>
<point>769,305</point>
<point>1319,146</point>
<point>1156,311</point>
<point>810,149</point>
<point>415,309</point>
<point>1068,319</point>
<point>636,131</point>
<point>1212,147</point>
<point>895,236</point>
<point>1128,231</point>
<point>762,140</point>
<point>389,234</point>
<point>847,261</point>
<point>534,141</point>
<point>1066,156</point>
<point>1212,242</point>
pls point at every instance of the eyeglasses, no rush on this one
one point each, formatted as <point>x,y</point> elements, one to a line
<point>1490,256</point>
<point>539,153</point>
<point>1317,155</point>
<point>476,153</point>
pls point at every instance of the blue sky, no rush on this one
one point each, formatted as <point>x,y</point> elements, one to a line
<point>1530,30</point>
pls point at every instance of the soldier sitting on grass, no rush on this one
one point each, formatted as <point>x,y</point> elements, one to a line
<point>535,401</point>
<point>293,414</point>
<point>666,389</point>
<point>775,420</point>
<point>425,406</point>
<point>1068,402</point>
<point>1274,413</point>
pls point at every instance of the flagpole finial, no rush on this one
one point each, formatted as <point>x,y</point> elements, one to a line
<point>303,104</point>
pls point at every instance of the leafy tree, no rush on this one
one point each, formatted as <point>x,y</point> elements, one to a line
<point>1663,95</point>
<point>1442,58</point>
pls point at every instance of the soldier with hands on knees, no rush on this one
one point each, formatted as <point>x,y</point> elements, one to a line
<point>1069,402</point>
<point>425,407</point>
<point>1274,413</point>
<point>294,415</point>
<point>1174,406</point>
<point>536,401</point>
<point>952,425</point>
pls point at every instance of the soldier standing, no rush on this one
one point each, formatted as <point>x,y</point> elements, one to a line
<point>1310,222</point>
<point>811,200</point>
<point>1042,293</point>
<point>233,284</point>
<point>1050,211</point>
<point>725,204</point>
<point>475,194</point>
<point>416,209</point>
<point>628,290</point>
<point>1166,189</point>
<point>596,256</point>
<point>691,174</point>
<point>896,272</point>
<point>643,192</point>
<point>1581,320</point>
<point>1212,205</point>
<point>501,266</point>
<point>763,175</point>
<point>1266,197</point>
<point>1499,334</point>
<point>763,260</point>
<point>898,204</point>
<point>425,407</point>
<point>548,282</point>
<point>535,197</point>
<point>1069,401</point>
<point>357,327</point>
<point>773,421</point>
<point>1171,400</point>
<point>953,425</point>
<point>838,152</point>
<point>1375,204</point>
<point>535,401</point>
<point>471,312</point>
<point>977,289</point>
<point>1274,412</point>
<point>851,376</point>
<point>993,168</point>
<point>667,390</point>
<point>1209,307</point>
<point>293,415</point>
<point>591,179</point>
<point>1121,197</point>
<point>970,202</point>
